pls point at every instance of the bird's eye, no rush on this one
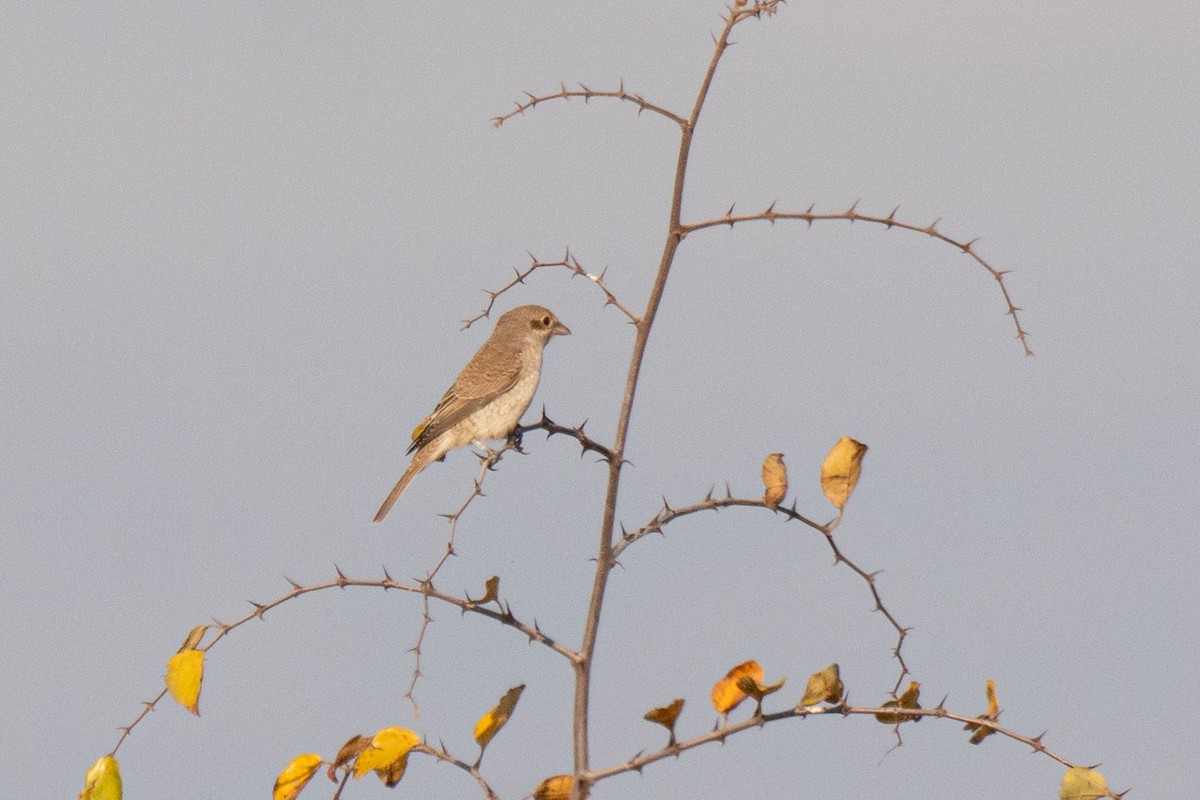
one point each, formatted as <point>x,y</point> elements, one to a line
<point>546,321</point>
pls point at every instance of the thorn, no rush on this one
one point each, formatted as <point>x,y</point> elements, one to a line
<point>1038,739</point>
<point>666,506</point>
<point>341,578</point>
<point>932,229</point>
<point>387,577</point>
<point>729,213</point>
<point>259,608</point>
<point>770,212</point>
<point>966,248</point>
<point>728,491</point>
<point>292,582</point>
<point>852,211</point>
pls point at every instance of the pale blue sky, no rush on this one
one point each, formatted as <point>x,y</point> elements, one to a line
<point>237,240</point>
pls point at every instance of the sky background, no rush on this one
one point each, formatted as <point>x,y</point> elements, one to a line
<point>236,245</point>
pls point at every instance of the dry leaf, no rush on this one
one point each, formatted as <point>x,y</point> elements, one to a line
<point>726,695</point>
<point>491,723</point>
<point>491,590</point>
<point>1081,783</point>
<point>349,751</point>
<point>907,700</point>
<point>666,716</point>
<point>295,776</point>
<point>387,754</point>
<point>991,715</point>
<point>102,780</point>
<point>756,689</point>
<point>824,687</point>
<point>185,672</point>
<point>839,473</point>
<point>556,787</point>
<point>193,638</point>
<point>774,477</point>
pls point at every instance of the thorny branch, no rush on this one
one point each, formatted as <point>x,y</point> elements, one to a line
<point>533,101</point>
<point>852,214</point>
<point>424,588</point>
<point>487,462</point>
<point>667,514</point>
<point>757,720</point>
<point>569,262</point>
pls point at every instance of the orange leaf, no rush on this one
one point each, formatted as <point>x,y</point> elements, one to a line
<point>726,695</point>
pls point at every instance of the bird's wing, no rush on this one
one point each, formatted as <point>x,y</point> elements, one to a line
<point>491,372</point>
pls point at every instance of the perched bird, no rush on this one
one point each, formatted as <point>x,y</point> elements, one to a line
<point>490,394</point>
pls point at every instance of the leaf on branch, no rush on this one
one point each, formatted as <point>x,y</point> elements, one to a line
<point>556,787</point>
<point>491,591</point>
<point>981,732</point>
<point>824,687</point>
<point>491,722</point>
<point>774,478</point>
<point>666,716</point>
<point>387,755</point>
<point>726,694</point>
<point>907,700</point>
<point>102,780</point>
<point>1081,783</point>
<point>839,473</point>
<point>349,751</point>
<point>295,776</point>
<point>758,690</point>
<point>193,638</point>
<point>185,672</point>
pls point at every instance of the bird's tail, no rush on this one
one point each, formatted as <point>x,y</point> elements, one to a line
<point>420,461</point>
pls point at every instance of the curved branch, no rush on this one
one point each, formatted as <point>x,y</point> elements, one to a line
<point>425,588</point>
<point>852,215</point>
<point>534,100</point>
<point>720,733</point>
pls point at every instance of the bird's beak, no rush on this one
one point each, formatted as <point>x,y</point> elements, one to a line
<point>561,330</point>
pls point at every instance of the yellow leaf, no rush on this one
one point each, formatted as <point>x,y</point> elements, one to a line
<point>295,776</point>
<point>392,773</point>
<point>389,748</point>
<point>102,780</point>
<point>185,671</point>
<point>824,687</point>
<point>907,700</point>
<point>1081,783</point>
<point>726,695</point>
<point>556,787</point>
<point>491,723</point>
<point>839,473</point>
<point>991,715</point>
<point>666,716</point>
<point>774,477</point>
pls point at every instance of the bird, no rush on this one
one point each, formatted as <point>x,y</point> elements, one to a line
<point>488,397</point>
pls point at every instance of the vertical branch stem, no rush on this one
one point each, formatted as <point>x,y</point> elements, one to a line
<point>604,558</point>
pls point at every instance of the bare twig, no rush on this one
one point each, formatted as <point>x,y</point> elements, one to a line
<point>569,262</point>
<point>852,214</point>
<point>533,101</point>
